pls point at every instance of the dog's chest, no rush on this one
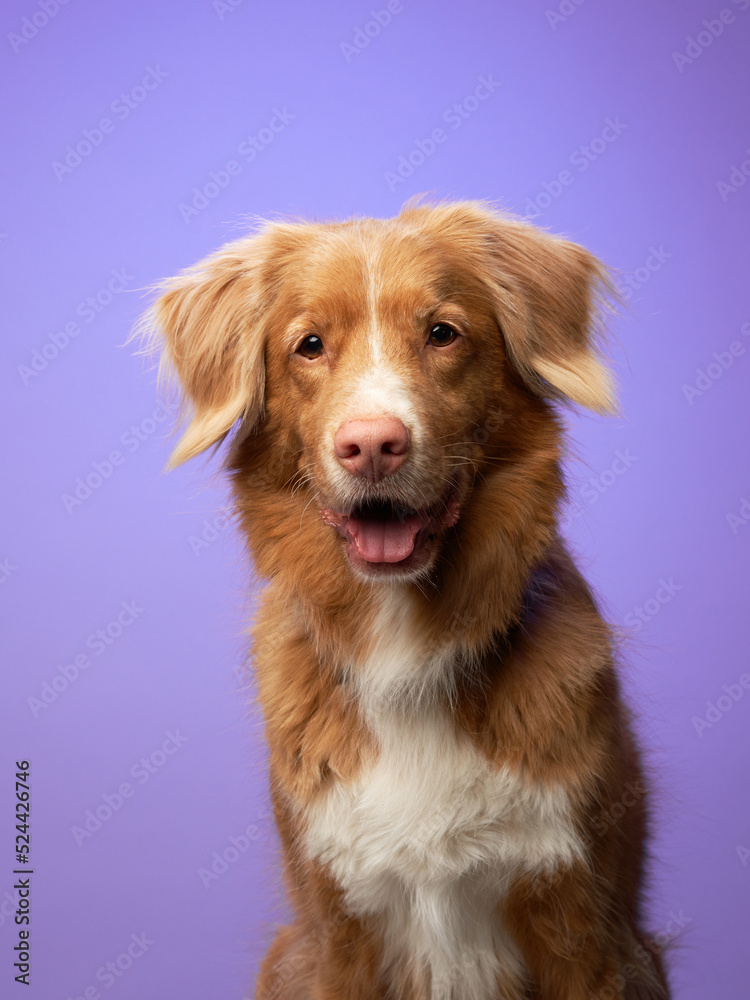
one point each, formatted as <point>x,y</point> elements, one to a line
<point>429,837</point>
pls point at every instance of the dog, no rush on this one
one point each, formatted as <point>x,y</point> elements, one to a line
<point>447,738</point>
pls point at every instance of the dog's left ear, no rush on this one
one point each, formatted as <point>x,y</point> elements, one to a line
<point>552,293</point>
<point>207,323</point>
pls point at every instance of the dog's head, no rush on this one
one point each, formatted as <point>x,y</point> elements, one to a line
<point>379,365</point>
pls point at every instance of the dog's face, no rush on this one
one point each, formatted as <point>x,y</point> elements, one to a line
<point>384,362</point>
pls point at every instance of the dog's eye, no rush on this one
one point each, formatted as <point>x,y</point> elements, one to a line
<point>441,335</point>
<point>311,347</point>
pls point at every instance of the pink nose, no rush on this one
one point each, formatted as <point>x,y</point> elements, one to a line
<point>372,448</point>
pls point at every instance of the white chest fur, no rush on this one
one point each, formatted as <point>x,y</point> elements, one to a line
<point>430,836</point>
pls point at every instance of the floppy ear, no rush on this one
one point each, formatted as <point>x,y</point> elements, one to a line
<point>552,293</point>
<point>548,295</point>
<point>208,322</point>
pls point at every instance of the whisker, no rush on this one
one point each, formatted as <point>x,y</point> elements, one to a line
<point>304,481</point>
<point>312,498</point>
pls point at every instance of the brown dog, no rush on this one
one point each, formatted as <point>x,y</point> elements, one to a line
<point>441,704</point>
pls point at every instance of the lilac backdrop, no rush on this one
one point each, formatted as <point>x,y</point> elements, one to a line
<point>318,122</point>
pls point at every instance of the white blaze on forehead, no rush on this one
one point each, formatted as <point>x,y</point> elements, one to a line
<point>372,288</point>
<point>382,391</point>
<point>374,386</point>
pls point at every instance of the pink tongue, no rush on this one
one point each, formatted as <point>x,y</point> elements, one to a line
<point>383,541</point>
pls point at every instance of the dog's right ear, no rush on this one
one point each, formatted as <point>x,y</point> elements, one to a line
<point>208,323</point>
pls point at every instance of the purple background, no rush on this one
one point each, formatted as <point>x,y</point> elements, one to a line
<point>658,512</point>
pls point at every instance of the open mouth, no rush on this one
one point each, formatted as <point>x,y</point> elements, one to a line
<point>386,537</point>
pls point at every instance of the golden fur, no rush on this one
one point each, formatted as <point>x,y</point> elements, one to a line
<point>510,653</point>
